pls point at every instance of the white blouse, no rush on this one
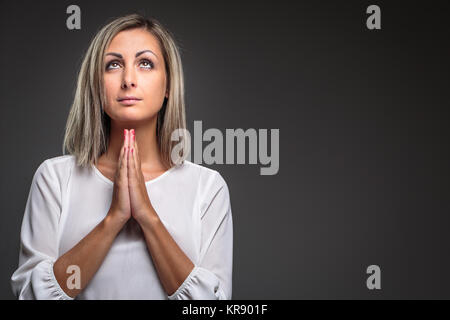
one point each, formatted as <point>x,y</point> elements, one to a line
<point>66,202</point>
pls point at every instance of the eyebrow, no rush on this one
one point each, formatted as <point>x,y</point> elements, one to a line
<point>118,55</point>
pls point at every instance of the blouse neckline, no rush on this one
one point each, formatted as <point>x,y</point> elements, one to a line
<point>147,183</point>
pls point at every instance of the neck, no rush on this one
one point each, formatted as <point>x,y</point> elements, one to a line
<point>145,133</point>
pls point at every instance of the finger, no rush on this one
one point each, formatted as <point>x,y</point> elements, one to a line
<point>131,166</point>
<point>125,164</point>
<point>123,145</point>
<point>137,160</point>
<point>121,153</point>
<point>120,162</point>
<point>125,156</point>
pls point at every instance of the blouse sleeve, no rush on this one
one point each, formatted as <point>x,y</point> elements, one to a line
<point>34,277</point>
<point>211,279</point>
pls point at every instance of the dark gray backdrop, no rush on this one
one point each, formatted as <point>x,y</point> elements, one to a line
<point>363,118</point>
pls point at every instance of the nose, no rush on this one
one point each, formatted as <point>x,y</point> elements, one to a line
<point>128,79</point>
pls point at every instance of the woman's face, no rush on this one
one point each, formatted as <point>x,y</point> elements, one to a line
<point>134,66</point>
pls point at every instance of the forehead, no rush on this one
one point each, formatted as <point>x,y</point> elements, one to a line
<point>128,42</point>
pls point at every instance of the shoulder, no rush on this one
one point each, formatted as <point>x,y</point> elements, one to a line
<point>57,168</point>
<point>58,164</point>
<point>211,186</point>
<point>60,161</point>
<point>206,177</point>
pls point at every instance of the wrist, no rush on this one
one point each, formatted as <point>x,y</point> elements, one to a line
<point>113,223</point>
<point>148,221</point>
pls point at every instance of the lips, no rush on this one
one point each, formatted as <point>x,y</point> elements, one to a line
<point>128,100</point>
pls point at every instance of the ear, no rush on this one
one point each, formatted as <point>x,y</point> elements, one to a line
<point>167,94</point>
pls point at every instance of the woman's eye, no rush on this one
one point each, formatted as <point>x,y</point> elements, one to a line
<point>115,64</point>
<point>147,64</point>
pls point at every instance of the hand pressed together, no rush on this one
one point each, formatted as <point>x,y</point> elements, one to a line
<point>130,197</point>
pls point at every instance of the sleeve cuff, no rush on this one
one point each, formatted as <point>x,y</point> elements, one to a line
<point>45,285</point>
<point>200,284</point>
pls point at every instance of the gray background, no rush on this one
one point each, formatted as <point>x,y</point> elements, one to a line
<point>363,118</point>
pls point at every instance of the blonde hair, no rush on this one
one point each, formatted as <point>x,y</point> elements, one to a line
<point>88,126</point>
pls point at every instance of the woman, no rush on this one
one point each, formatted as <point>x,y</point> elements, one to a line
<point>124,215</point>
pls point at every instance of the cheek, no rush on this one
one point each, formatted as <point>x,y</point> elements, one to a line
<point>155,86</point>
<point>109,85</point>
